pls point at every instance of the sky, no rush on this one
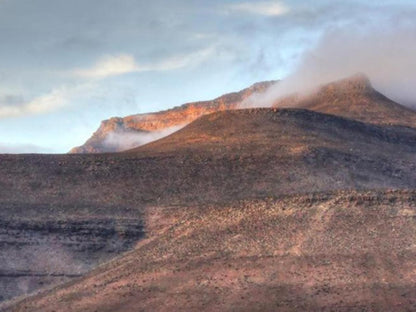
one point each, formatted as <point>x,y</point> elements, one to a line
<point>67,65</point>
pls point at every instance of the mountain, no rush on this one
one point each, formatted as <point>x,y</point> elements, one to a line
<point>80,210</point>
<point>267,208</point>
<point>353,97</point>
<point>143,128</point>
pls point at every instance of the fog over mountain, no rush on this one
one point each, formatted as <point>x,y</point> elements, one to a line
<point>68,66</point>
<point>384,54</point>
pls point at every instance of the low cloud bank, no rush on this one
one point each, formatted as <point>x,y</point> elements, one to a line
<point>120,141</point>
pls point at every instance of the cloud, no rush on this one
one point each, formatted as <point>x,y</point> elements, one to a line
<point>267,8</point>
<point>14,106</point>
<point>13,148</point>
<point>42,104</point>
<point>110,66</point>
<point>119,141</point>
<point>54,100</point>
<point>115,65</point>
<point>385,54</point>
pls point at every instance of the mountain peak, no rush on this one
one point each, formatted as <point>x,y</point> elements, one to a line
<point>353,97</point>
<point>359,78</point>
<point>358,83</point>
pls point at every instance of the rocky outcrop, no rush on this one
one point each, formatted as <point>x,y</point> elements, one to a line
<point>111,130</point>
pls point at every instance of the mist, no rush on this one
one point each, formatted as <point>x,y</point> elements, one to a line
<point>385,54</point>
<point>11,148</point>
<point>120,141</point>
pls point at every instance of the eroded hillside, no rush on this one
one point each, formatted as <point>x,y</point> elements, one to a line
<point>344,251</point>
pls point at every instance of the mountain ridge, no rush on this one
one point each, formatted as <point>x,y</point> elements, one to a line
<point>352,97</point>
<point>156,121</point>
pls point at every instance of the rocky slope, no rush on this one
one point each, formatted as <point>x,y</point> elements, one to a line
<point>344,251</point>
<point>219,158</point>
<point>137,126</point>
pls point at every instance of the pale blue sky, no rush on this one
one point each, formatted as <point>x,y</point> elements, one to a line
<point>67,65</point>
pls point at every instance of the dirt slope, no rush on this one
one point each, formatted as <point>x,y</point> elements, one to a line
<point>348,251</point>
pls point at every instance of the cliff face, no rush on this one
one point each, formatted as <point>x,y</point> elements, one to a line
<point>155,125</point>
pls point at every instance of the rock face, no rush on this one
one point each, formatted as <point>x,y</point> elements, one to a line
<point>105,138</point>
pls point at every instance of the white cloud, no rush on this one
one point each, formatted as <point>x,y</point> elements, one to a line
<point>106,67</point>
<point>45,103</point>
<point>110,66</point>
<point>13,148</point>
<point>115,65</point>
<point>49,102</point>
<point>267,8</point>
<point>120,141</point>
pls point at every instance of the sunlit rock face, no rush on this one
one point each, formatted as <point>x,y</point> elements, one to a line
<point>143,128</point>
